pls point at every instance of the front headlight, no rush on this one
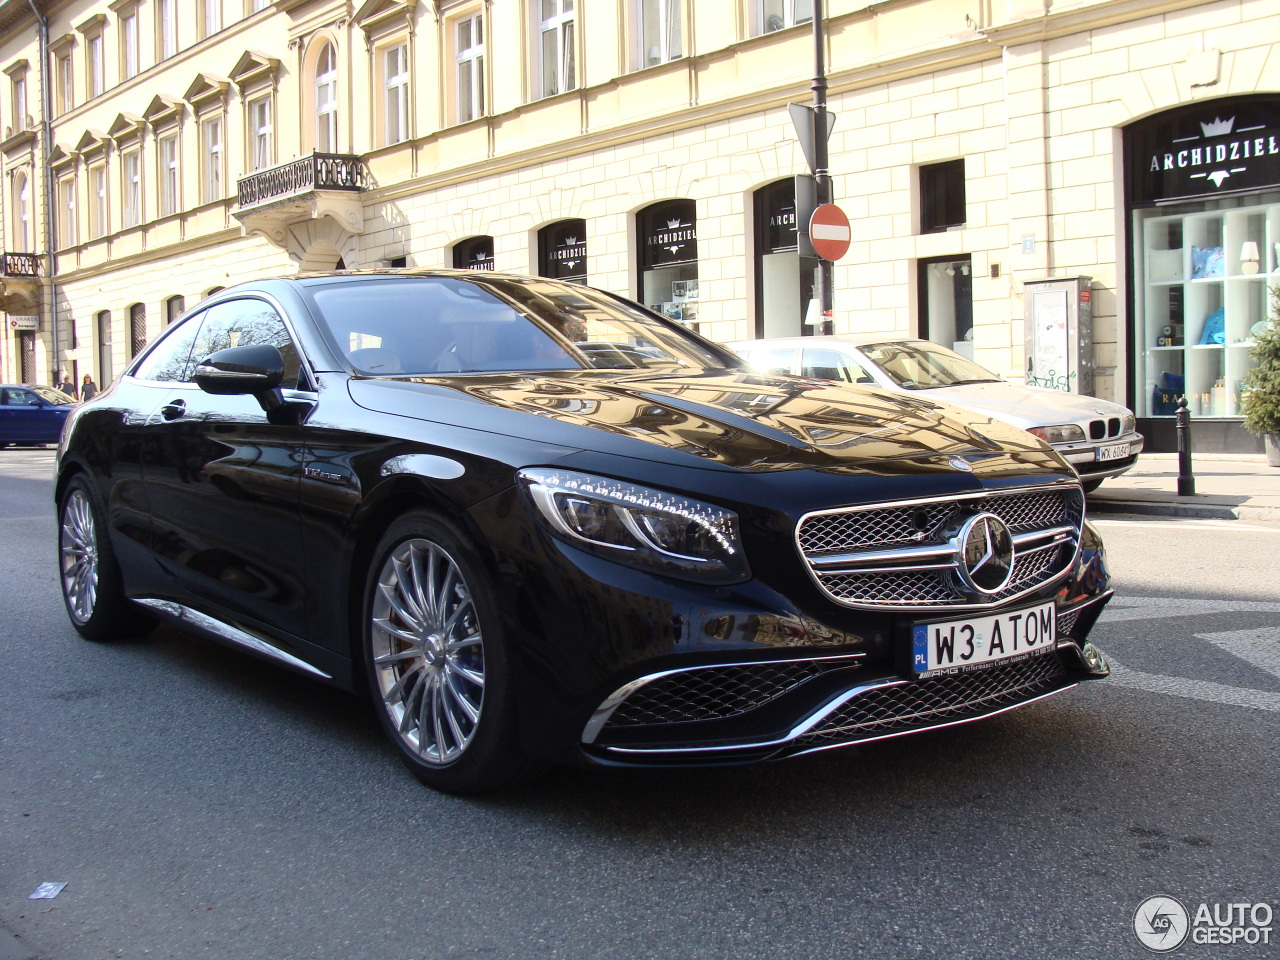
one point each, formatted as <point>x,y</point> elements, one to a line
<point>1064,433</point>
<point>639,526</point>
<point>1128,424</point>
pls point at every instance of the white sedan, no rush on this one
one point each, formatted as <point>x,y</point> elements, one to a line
<point>1095,436</point>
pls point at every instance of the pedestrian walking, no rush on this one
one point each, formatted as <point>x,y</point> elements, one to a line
<point>88,389</point>
<point>66,385</point>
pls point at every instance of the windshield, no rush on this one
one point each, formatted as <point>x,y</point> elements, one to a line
<point>55,397</point>
<point>920,365</point>
<point>391,326</point>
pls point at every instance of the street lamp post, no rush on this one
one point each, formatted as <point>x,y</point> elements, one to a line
<point>821,174</point>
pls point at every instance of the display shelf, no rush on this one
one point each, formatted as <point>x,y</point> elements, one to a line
<point>1193,287</point>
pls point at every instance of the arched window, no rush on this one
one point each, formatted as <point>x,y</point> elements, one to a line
<point>668,244</point>
<point>137,329</point>
<point>104,348</point>
<point>327,100</point>
<point>173,308</point>
<point>784,280</point>
<point>473,254</point>
<point>562,251</point>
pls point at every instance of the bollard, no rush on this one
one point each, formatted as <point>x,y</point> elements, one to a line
<point>1186,482</point>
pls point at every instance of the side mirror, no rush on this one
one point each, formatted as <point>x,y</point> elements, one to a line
<point>255,370</point>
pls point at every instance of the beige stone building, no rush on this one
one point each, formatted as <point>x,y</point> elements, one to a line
<point>155,150</point>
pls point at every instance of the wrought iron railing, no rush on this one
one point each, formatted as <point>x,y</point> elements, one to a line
<point>21,264</point>
<point>319,171</point>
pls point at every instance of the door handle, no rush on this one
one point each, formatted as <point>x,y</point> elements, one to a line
<point>173,409</point>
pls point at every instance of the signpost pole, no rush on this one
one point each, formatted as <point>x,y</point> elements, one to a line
<point>826,269</point>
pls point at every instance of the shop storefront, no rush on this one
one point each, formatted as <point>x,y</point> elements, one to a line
<point>475,253</point>
<point>668,235</point>
<point>562,251</point>
<point>1203,195</point>
<point>784,281</point>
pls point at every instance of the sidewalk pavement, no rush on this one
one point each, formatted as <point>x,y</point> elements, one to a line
<point>1228,487</point>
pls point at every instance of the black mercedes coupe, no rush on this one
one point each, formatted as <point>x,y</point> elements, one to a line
<point>537,522</point>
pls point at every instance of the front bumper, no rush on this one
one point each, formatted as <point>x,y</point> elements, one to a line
<point>742,712</point>
<point>1086,456</point>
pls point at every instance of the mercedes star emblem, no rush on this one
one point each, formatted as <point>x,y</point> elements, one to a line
<point>984,551</point>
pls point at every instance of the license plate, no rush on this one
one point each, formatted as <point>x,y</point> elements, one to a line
<point>961,646</point>
<point>1117,451</point>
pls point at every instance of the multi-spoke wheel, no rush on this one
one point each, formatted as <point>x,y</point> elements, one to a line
<point>437,661</point>
<point>91,584</point>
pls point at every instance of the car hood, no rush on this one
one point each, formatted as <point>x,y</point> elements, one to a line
<point>730,419</point>
<point>1023,406</point>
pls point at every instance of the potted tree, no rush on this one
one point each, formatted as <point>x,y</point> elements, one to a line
<point>1260,400</point>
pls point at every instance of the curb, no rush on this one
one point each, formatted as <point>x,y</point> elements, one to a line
<point>1201,511</point>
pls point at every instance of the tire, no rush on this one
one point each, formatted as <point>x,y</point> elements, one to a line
<point>92,588</point>
<point>1091,485</point>
<point>437,663</point>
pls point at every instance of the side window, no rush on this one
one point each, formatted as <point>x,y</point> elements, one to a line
<point>826,364</point>
<point>772,359</point>
<point>170,359</point>
<point>243,323</point>
<point>23,398</point>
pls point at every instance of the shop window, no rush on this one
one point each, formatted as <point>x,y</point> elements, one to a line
<point>668,244</point>
<point>475,253</point>
<point>784,280</point>
<point>562,251</point>
<point>942,204</point>
<point>946,302</point>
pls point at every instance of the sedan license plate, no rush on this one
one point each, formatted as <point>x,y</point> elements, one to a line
<point>1116,451</point>
<point>961,646</point>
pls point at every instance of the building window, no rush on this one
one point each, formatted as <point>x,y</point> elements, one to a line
<point>668,244</point>
<point>470,67</point>
<point>780,14</point>
<point>67,212</point>
<point>173,308</point>
<point>660,32</point>
<point>785,282</point>
<point>168,27</point>
<point>212,17</point>
<point>946,302</point>
<point>20,101</point>
<point>260,133</point>
<point>562,251</point>
<point>211,158</point>
<point>327,100</point>
<point>556,47</point>
<point>129,45</point>
<point>942,197</point>
<point>22,212</point>
<point>259,5</point>
<point>98,200</point>
<point>131,171</point>
<point>395,65</point>
<point>137,329</point>
<point>95,66</point>
<point>104,349</point>
<point>64,87</point>
<point>168,150</point>
<point>473,254</point>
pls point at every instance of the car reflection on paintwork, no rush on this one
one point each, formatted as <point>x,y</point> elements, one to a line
<point>1097,437</point>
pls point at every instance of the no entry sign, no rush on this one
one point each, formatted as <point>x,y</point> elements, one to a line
<point>829,231</point>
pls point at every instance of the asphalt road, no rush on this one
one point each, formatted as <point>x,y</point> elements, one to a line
<point>201,804</point>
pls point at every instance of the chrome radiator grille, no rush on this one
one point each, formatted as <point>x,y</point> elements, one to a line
<point>936,701</point>
<point>905,555</point>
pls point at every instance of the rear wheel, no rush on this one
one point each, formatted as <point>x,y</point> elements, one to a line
<point>437,661</point>
<point>91,585</point>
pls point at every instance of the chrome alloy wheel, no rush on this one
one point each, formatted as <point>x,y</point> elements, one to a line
<point>78,550</point>
<point>428,652</point>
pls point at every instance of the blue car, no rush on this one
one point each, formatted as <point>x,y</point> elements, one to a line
<point>30,413</point>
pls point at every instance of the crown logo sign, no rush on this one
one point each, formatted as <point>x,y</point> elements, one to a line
<point>1218,127</point>
<point>673,224</point>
